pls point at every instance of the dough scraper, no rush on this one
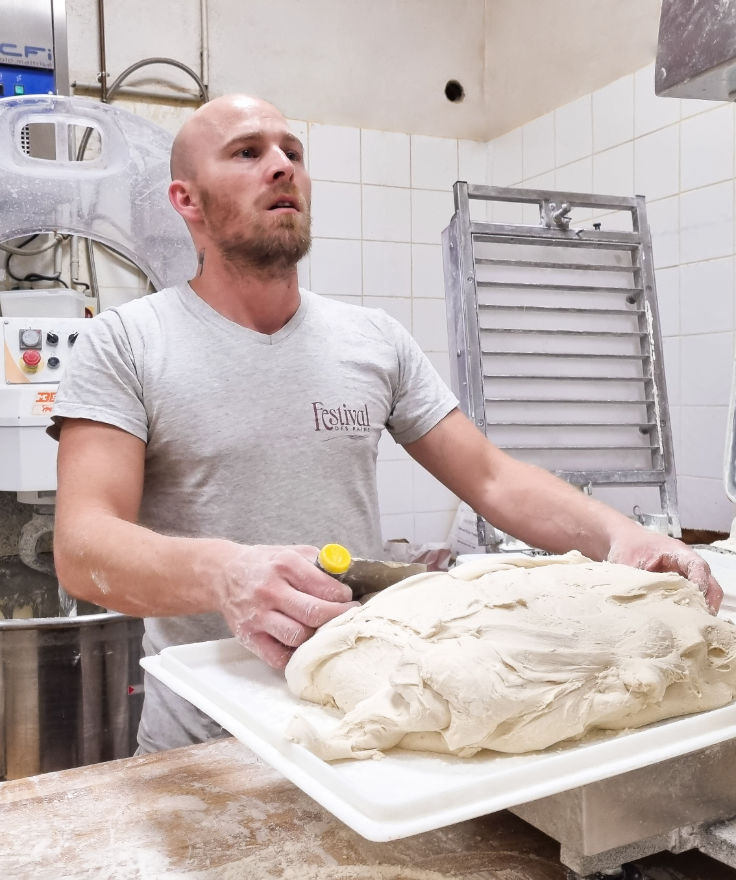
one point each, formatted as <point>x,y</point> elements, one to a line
<point>364,575</point>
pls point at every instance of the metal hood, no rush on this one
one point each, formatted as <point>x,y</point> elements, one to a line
<point>696,51</point>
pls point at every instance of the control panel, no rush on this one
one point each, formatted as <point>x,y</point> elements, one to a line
<point>16,80</point>
<point>36,349</point>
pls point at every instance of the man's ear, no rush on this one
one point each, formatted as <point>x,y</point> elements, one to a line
<point>183,200</point>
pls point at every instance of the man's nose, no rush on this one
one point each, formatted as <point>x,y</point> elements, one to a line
<point>281,165</point>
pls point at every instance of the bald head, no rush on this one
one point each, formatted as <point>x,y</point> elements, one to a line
<point>208,127</point>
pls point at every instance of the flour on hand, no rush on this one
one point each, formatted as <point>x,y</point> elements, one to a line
<point>512,655</point>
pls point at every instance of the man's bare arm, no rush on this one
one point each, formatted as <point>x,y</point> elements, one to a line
<point>273,598</point>
<point>546,512</point>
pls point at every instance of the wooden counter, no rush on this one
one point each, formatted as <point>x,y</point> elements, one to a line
<point>215,812</point>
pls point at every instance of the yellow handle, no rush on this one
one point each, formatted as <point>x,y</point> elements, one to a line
<point>334,559</point>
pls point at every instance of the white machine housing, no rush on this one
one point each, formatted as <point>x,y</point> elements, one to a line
<point>27,393</point>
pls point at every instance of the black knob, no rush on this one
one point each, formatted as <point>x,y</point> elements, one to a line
<point>53,362</point>
<point>73,337</point>
<point>52,338</point>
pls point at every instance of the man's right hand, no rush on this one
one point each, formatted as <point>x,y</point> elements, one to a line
<point>273,598</point>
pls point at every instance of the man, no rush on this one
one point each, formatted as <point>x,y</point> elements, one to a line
<point>213,435</point>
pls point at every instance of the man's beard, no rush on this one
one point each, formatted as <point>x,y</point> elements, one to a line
<point>273,250</point>
<point>267,248</point>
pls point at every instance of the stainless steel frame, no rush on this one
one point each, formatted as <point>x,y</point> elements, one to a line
<point>555,344</point>
<point>684,803</point>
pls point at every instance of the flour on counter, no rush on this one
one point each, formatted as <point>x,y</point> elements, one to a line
<point>514,656</point>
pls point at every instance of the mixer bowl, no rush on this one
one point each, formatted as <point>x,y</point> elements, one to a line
<point>70,687</point>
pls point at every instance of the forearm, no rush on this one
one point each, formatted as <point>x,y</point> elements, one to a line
<point>546,512</point>
<point>519,498</point>
<point>128,568</point>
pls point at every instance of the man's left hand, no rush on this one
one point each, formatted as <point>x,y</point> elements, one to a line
<point>654,552</point>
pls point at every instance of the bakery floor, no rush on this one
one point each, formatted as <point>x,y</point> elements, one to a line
<point>216,812</point>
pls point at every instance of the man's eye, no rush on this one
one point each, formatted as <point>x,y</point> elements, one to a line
<point>247,153</point>
<point>293,155</point>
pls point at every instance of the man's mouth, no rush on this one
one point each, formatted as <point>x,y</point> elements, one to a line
<point>285,204</point>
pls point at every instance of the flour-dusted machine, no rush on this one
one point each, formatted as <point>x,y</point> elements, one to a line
<point>70,689</point>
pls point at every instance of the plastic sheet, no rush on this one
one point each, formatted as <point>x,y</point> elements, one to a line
<point>118,197</point>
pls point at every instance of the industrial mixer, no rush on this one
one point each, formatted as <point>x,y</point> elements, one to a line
<point>70,684</point>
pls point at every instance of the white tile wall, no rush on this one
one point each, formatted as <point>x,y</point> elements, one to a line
<point>706,222</point>
<point>701,453</point>
<point>538,145</point>
<point>692,106</point>
<point>613,114</point>
<point>706,296</point>
<point>707,148</point>
<point>657,163</point>
<point>472,158</point>
<point>673,369</point>
<point>664,227</point>
<point>507,168</point>
<point>433,526</point>
<point>575,177</point>
<point>386,213</point>
<point>397,527</point>
<point>386,268</point>
<point>385,158</point>
<point>334,153</point>
<point>704,504</point>
<point>650,111</point>
<point>430,324</point>
<point>395,486</point>
<point>399,308</point>
<point>613,171</point>
<point>668,300</point>
<point>706,361</point>
<point>335,267</point>
<point>427,271</point>
<point>573,131</point>
<point>433,162</point>
<point>335,210</point>
<point>431,211</point>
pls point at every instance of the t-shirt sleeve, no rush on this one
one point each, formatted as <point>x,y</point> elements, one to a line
<point>421,399</point>
<point>102,380</point>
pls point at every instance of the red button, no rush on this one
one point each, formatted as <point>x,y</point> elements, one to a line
<point>31,358</point>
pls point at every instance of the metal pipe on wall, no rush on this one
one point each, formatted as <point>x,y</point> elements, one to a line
<point>204,50</point>
<point>106,93</point>
<point>102,75</point>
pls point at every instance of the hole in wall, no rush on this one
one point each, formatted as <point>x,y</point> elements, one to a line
<point>454,91</point>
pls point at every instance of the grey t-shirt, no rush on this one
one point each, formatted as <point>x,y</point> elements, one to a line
<point>259,439</point>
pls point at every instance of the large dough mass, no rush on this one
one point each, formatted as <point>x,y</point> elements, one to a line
<point>512,656</point>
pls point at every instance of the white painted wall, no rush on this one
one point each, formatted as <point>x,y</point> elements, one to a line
<point>348,62</point>
<point>381,64</point>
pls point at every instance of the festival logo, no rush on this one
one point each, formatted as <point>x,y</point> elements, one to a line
<point>341,418</point>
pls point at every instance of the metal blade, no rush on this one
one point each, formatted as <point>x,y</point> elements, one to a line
<point>369,575</point>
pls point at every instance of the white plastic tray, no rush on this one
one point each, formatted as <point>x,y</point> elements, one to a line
<point>406,792</point>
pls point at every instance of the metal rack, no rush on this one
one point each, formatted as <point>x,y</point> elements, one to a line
<point>555,346</point>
